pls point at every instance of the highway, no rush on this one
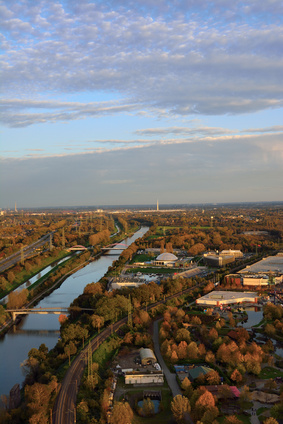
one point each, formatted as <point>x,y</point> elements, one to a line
<point>64,411</point>
<point>27,251</point>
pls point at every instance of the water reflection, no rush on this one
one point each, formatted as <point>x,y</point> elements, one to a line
<point>33,330</point>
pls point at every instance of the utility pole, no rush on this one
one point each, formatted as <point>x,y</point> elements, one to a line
<point>22,255</point>
<point>89,364</point>
<point>50,242</point>
<point>130,321</point>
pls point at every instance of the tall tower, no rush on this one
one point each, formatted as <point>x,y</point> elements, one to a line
<point>157,206</point>
<point>16,210</point>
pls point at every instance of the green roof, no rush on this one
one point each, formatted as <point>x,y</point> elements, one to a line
<point>197,371</point>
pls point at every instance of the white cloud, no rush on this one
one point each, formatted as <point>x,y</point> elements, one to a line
<point>184,59</point>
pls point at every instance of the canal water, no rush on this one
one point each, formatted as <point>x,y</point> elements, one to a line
<point>33,330</point>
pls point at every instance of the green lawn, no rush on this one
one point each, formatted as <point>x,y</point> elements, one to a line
<point>143,257</point>
<point>244,418</point>
<point>269,372</point>
<point>24,276</point>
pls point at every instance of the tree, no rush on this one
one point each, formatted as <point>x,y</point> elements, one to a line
<point>180,406</point>
<point>232,419</point>
<point>213,334</point>
<point>270,420</point>
<point>245,398</point>
<point>3,315</point>
<point>236,376</point>
<point>122,413</point>
<point>210,415</point>
<point>70,349</point>
<point>192,350</point>
<point>204,403</point>
<point>38,398</point>
<point>147,407</point>
<point>183,335</point>
<point>210,357</point>
<point>187,387</point>
<point>182,350</point>
<point>212,377</point>
<point>97,321</point>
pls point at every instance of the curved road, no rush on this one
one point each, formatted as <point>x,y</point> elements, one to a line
<point>64,411</point>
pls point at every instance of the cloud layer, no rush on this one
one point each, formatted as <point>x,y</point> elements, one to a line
<point>229,169</point>
<point>179,59</point>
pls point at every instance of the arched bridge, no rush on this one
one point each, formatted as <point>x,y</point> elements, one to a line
<point>115,246</point>
<point>43,311</point>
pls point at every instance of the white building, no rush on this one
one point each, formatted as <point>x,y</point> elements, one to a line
<point>235,253</point>
<point>165,259</point>
<point>144,377</point>
<point>218,298</point>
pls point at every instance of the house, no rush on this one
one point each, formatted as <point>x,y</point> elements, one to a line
<point>197,371</point>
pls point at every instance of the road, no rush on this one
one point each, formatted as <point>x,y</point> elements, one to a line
<point>27,251</point>
<point>64,411</point>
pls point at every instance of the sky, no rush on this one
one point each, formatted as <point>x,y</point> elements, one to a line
<point>126,102</point>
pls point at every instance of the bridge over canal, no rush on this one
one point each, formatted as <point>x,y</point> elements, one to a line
<point>44,311</point>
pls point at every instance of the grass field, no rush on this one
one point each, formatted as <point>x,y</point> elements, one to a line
<point>269,372</point>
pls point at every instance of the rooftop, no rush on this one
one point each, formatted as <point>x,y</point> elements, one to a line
<point>269,264</point>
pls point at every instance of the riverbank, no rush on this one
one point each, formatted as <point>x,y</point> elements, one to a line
<point>35,330</point>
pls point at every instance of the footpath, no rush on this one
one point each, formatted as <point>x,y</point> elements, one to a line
<point>170,377</point>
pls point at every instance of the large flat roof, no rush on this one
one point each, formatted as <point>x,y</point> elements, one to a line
<point>269,264</point>
<point>227,297</point>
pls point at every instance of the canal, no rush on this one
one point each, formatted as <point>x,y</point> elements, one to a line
<point>33,330</point>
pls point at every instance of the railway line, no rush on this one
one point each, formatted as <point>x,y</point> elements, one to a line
<point>64,410</point>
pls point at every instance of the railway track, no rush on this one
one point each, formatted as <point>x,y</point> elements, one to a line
<point>64,411</point>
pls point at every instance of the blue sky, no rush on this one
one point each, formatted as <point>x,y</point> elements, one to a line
<point>123,102</point>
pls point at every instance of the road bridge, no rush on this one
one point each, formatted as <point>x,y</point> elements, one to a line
<point>115,246</point>
<point>44,311</point>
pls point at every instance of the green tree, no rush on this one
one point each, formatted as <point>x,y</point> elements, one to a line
<point>70,349</point>
<point>3,315</point>
<point>245,398</point>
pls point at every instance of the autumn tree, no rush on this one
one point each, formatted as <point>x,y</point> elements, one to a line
<point>38,398</point>
<point>97,321</point>
<point>122,413</point>
<point>183,335</point>
<point>245,398</point>
<point>180,406</point>
<point>236,376</point>
<point>203,404</point>
<point>270,420</point>
<point>212,378</point>
<point>147,407</point>
<point>187,387</point>
<point>232,419</point>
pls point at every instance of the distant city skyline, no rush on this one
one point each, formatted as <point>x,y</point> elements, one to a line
<point>129,102</point>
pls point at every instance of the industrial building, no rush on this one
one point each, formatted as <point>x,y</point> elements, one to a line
<point>230,252</point>
<point>215,260</point>
<point>219,298</point>
<point>270,264</point>
<point>144,377</point>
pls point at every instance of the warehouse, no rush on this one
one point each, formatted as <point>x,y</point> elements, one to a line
<point>218,298</point>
